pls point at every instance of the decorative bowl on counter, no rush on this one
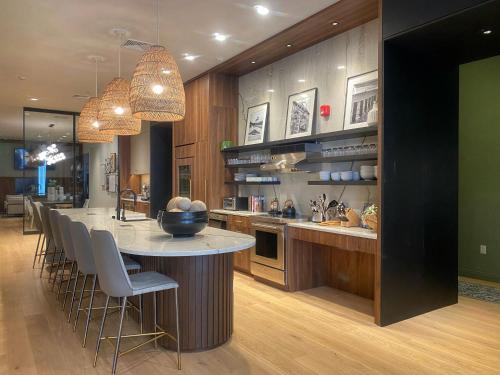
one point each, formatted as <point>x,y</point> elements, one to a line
<point>182,224</point>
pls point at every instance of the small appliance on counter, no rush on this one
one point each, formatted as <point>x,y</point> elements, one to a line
<point>235,203</point>
<point>145,192</point>
<point>288,209</point>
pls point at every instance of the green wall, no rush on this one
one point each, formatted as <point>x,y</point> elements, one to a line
<point>479,170</point>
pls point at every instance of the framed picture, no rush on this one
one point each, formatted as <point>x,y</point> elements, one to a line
<point>361,93</point>
<point>300,114</point>
<point>256,124</point>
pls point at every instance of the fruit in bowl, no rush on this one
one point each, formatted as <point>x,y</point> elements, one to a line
<point>183,218</point>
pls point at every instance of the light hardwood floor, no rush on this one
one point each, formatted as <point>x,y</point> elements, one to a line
<point>321,331</point>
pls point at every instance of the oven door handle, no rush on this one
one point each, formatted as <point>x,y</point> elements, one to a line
<point>264,226</point>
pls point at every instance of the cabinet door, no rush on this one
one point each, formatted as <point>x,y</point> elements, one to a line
<point>184,171</point>
<point>185,131</point>
<point>241,258</point>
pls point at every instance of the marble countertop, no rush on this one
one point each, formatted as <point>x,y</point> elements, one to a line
<point>147,239</point>
<point>237,213</point>
<point>353,231</point>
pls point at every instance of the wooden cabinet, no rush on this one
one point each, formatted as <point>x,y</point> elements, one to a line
<point>142,207</point>
<point>140,151</point>
<point>240,224</point>
<point>211,117</point>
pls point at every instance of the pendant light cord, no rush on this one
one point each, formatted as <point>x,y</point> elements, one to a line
<point>119,58</point>
<point>95,60</point>
<point>158,22</point>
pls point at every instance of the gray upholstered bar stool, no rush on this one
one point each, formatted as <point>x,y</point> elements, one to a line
<point>50,254</point>
<point>69,252</point>
<point>63,257</point>
<point>77,236</point>
<point>115,282</point>
<point>35,206</point>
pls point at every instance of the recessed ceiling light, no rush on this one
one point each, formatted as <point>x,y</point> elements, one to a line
<point>301,80</point>
<point>289,45</point>
<point>335,23</point>
<point>270,90</point>
<point>34,99</point>
<point>261,9</point>
<point>21,77</point>
<point>219,37</point>
<point>252,62</point>
<point>189,57</point>
<point>341,67</point>
<point>487,32</point>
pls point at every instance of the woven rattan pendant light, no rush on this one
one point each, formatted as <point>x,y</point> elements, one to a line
<point>114,109</point>
<point>156,88</point>
<point>88,125</point>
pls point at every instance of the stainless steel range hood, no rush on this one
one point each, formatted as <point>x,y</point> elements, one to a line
<point>285,159</point>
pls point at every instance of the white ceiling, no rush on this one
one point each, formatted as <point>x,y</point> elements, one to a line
<point>49,41</point>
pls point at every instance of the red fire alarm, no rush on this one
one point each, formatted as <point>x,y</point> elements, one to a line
<point>324,110</point>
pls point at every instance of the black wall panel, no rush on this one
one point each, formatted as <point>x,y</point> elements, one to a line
<point>401,15</point>
<point>420,184</point>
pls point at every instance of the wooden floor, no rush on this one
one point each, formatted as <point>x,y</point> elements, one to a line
<point>321,331</point>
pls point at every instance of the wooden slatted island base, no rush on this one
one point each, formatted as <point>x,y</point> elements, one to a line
<point>202,265</point>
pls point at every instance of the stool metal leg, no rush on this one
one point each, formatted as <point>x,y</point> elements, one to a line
<point>68,285</point>
<point>119,335</point>
<point>61,280</point>
<point>73,296</point>
<point>141,319</point>
<point>41,248</point>
<point>89,313</point>
<point>44,257</point>
<point>154,317</point>
<point>36,251</point>
<point>177,335</point>
<point>80,303</point>
<point>101,329</point>
<point>57,269</point>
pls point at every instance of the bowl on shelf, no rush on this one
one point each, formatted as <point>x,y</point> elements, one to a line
<point>346,176</point>
<point>324,175</point>
<point>182,224</point>
<point>367,172</point>
<point>335,176</point>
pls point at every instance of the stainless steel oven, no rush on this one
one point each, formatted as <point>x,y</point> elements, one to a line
<point>268,255</point>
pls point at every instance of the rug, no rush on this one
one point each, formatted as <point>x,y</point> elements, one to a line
<point>478,291</point>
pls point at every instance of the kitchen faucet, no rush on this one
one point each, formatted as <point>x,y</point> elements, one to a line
<point>121,214</point>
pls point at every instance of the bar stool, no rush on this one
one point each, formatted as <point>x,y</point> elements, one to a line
<point>115,282</point>
<point>69,252</point>
<point>50,253</point>
<point>63,258</point>
<point>77,236</point>
<point>35,206</point>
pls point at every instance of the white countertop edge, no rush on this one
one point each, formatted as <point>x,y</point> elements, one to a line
<point>354,232</point>
<point>131,200</point>
<point>236,213</point>
<point>187,253</point>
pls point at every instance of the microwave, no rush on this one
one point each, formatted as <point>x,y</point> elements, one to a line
<point>235,203</point>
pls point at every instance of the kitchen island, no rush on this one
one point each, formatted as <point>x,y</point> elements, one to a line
<point>202,265</point>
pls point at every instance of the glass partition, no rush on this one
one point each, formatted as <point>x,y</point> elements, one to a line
<point>51,162</point>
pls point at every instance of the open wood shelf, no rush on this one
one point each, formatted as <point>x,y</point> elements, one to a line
<point>249,165</point>
<point>324,137</point>
<point>252,183</point>
<point>341,183</point>
<point>337,159</point>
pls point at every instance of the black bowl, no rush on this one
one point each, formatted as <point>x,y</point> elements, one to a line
<point>182,224</point>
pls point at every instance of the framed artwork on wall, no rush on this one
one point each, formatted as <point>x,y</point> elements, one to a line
<point>300,114</point>
<point>361,94</point>
<point>256,124</point>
